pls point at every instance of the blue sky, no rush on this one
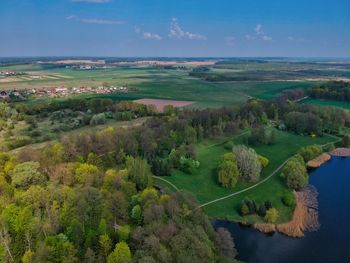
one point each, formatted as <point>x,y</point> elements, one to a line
<point>302,28</point>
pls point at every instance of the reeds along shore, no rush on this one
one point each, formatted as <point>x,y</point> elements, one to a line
<point>341,152</point>
<point>325,157</point>
<point>305,216</point>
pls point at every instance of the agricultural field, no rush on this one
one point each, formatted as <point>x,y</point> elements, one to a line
<point>203,183</point>
<point>234,82</point>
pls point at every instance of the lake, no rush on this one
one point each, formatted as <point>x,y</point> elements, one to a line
<point>331,243</point>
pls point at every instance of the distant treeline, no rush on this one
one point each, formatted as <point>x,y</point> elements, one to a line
<point>334,90</point>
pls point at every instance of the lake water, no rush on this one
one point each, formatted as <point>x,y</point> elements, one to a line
<point>330,244</point>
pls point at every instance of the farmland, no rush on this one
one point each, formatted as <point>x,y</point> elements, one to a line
<point>180,82</point>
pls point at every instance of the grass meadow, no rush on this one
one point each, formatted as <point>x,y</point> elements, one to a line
<point>203,183</point>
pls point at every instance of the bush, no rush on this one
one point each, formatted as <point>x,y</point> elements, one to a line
<point>262,210</point>
<point>310,152</point>
<point>244,209</point>
<point>288,199</point>
<point>188,165</point>
<point>98,119</point>
<point>271,215</point>
<point>263,160</point>
<point>346,140</point>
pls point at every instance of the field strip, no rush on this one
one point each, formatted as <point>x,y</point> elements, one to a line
<point>159,178</point>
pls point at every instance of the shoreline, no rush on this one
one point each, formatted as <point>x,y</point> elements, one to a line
<point>305,216</point>
<point>340,152</point>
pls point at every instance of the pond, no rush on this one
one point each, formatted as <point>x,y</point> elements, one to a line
<point>331,243</point>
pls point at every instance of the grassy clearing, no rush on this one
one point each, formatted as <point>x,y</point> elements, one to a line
<point>321,102</point>
<point>203,184</point>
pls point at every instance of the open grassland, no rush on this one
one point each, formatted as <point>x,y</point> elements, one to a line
<point>203,183</point>
<point>321,102</point>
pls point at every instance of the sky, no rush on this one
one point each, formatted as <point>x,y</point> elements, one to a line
<point>175,28</point>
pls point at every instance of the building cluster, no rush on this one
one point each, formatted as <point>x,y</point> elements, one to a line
<point>61,91</point>
<point>11,73</point>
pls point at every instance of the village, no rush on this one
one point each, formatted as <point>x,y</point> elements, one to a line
<point>58,92</point>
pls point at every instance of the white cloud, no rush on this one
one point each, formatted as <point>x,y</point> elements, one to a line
<point>147,35</point>
<point>94,21</point>
<point>93,1</point>
<point>177,32</point>
<point>259,33</point>
<point>151,36</point>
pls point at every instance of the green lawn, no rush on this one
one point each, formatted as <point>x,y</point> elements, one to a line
<point>203,184</point>
<point>321,102</point>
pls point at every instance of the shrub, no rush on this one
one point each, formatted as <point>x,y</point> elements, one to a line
<point>262,210</point>
<point>98,119</point>
<point>346,140</point>
<point>244,209</point>
<point>188,165</point>
<point>310,152</point>
<point>271,215</point>
<point>288,199</point>
<point>263,161</point>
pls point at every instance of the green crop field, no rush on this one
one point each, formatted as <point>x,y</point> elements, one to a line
<point>203,183</point>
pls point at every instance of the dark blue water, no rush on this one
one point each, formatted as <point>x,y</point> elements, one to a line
<point>330,244</point>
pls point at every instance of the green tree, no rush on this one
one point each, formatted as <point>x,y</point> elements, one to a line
<point>295,174</point>
<point>228,173</point>
<point>139,172</point>
<point>26,174</point>
<point>136,214</point>
<point>247,162</point>
<point>121,254</point>
<point>105,245</point>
